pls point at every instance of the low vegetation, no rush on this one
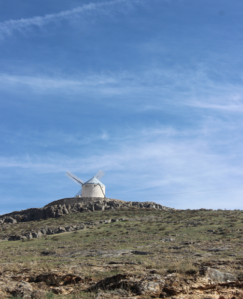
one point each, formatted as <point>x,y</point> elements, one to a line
<point>179,241</point>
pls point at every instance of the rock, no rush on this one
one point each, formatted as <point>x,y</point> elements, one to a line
<point>168,240</point>
<point>107,221</point>
<point>137,252</point>
<point>10,220</point>
<point>218,277</point>
<point>62,290</point>
<point>23,289</point>
<point>14,238</point>
<point>98,207</point>
<point>68,228</point>
<point>218,249</point>
<point>150,288</point>
<point>153,271</point>
<point>151,285</point>
<point>52,279</point>
<point>28,235</point>
<point>49,231</point>
<point>73,205</point>
<point>37,234</point>
<point>114,220</point>
<point>46,252</point>
<point>61,230</point>
<point>188,243</point>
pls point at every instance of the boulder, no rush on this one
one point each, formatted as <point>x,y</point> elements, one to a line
<point>68,228</point>
<point>15,238</point>
<point>98,207</point>
<point>37,234</point>
<point>168,240</point>
<point>216,276</point>
<point>22,289</point>
<point>151,288</point>
<point>10,220</point>
<point>61,229</point>
<point>50,212</point>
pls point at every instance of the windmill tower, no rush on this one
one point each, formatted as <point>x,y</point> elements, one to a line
<point>91,188</point>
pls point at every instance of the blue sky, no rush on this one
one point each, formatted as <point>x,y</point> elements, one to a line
<point>149,91</point>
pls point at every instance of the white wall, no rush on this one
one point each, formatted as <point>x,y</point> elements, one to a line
<point>92,190</point>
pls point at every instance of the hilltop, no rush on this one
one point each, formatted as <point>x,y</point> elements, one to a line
<point>71,205</point>
<point>136,250</point>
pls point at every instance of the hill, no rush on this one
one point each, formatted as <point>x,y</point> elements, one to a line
<point>130,251</point>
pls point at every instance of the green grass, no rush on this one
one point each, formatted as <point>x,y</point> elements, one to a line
<point>141,235</point>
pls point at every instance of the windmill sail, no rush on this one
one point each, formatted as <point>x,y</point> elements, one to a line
<point>74,178</point>
<point>99,174</point>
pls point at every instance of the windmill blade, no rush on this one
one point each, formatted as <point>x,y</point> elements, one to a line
<point>74,178</point>
<point>79,193</point>
<point>99,174</point>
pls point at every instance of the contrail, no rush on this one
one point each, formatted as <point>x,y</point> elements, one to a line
<point>9,27</point>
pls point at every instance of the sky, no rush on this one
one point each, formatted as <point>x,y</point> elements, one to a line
<point>149,91</point>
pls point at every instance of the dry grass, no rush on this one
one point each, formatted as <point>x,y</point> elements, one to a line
<point>195,232</point>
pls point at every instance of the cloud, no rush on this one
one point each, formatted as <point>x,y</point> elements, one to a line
<point>183,82</point>
<point>161,163</point>
<point>42,82</point>
<point>9,27</point>
<point>161,148</point>
<point>151,90</point>
<point>227,108</point>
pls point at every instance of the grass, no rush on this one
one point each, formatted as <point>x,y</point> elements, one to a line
<point>194,231</point>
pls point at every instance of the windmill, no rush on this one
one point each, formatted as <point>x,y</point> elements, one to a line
<point>91,188</point>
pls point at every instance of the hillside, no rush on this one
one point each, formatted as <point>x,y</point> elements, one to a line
<point>129,252</point>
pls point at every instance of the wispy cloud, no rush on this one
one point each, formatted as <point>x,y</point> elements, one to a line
<point>162,88</point>
<point>160,159</point>
<point>52,139</point>
<point>191,87</point>
<point>44,82</point>
<point>227,108</point>
<point>106,7</point>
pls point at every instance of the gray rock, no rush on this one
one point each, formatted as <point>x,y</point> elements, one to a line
<point>43,231</point>
<point>114,220</point>
<point>73,205</point>
<point>61,229</point>
<point>37,234</point>
<point>98,207</point>
<point>107,221</point>
<point>68,228</point>
<point>14,238</point>
<point>217,276</point>
<point>10,220</point>
<point>168,240</point>
<point>49,231</point>
<point>28,235</point>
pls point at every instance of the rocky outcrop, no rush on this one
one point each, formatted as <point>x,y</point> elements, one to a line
<point>73,205</point>
<point>207,283</point>
<point>38,286</point>
<point>41,232</point>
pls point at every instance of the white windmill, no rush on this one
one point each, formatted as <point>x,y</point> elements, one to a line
<point>91,188</point>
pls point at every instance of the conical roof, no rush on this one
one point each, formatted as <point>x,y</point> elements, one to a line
<point>94,180</point>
